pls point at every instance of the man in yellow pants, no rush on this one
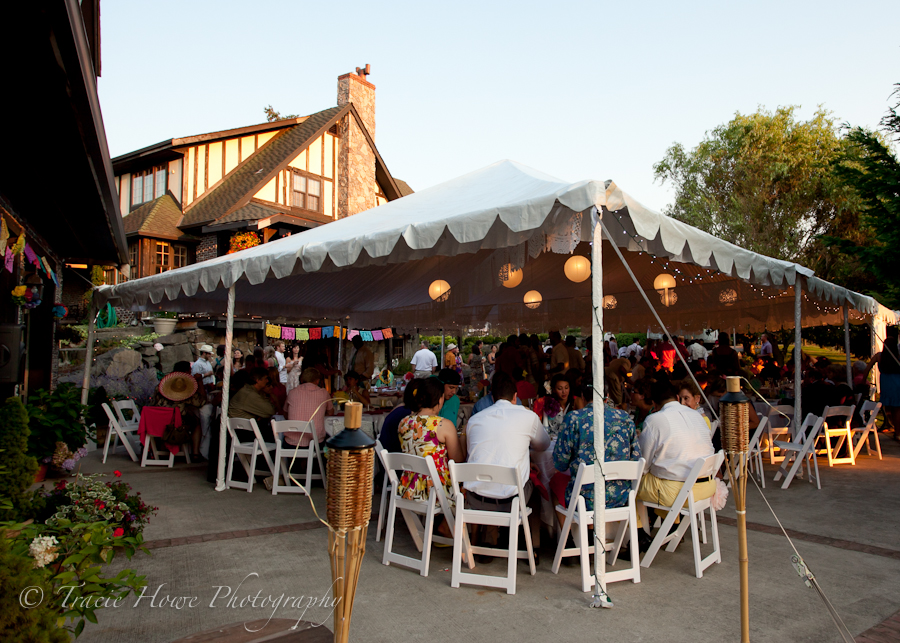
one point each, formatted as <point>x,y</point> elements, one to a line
<point>673,439</point>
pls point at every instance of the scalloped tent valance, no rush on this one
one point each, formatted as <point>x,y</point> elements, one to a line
<point>376,266</point>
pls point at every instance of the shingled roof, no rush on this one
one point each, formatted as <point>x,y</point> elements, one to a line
<point>259,168</point>
<point>158,218</point>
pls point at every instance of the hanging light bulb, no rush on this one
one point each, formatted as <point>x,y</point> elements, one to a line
<point>728,296</point>
<point>439,290</point>
<point>533,299</point>
<point>577,268</point>
<point>665,284</point>
<point>609,302</point>
<point>510,277</point>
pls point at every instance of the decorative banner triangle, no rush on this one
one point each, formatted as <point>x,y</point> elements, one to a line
<point>352,334</point>
<point>328,331</point>
<point>377,335</point>
<point>273,331</point>
<point>388,333</point>
<point>315,333</point>
<point>303,334</point>
<point>366,335</point>
<point>287,332</point>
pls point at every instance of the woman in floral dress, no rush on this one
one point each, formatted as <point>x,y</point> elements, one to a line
<point>426,433</point>
<point>552,408</point>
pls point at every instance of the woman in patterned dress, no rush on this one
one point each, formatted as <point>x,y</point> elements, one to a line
<point>426,433</point>
<point>552,409</point>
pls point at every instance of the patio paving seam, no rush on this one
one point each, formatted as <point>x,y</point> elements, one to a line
<point>814,538</point>
<point>163,543</point>
<point>886,631</point>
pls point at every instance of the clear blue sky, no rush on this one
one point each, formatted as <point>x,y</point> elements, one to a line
<point>579,90</point>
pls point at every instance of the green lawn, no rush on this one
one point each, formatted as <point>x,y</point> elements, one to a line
<point>817,351</point>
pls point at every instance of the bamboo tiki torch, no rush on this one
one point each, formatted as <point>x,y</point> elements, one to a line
<point>349,502</point>
<point>735,416</point>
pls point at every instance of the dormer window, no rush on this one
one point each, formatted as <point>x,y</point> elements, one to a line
<point>148,185</point>
<point>307,192</point>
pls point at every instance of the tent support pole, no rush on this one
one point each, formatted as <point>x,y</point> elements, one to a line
<point>340,355</point>
<point>798,354</point>
<point>600,595</point>
<point>441,361</point>
<point>89,352</point>
<point>226,381</point>
<point>847,343</point>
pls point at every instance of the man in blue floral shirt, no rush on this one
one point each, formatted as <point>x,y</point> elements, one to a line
<point>575,444</point>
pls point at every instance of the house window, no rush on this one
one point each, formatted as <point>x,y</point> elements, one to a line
<point>163,257</point>
<point>148,184</point>
<point>179,256</point>
<point>307,193</point>
<point>134,255</point>
<point>110,276</point>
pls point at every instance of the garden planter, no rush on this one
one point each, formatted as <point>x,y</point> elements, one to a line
<point>41,473</point>
<point>164,326</point>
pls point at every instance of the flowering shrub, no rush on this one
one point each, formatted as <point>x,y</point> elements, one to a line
<point>242,241</point>
<point>44,550</point>
<point>64,459</point>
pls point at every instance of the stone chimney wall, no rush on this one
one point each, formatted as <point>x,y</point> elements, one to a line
<point>356,160</point>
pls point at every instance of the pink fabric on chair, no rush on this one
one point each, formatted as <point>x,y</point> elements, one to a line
<point>154,420</point>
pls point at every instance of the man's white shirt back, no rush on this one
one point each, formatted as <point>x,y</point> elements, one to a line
<point>424,360</point>
<point>673,439</point>
<point>503,434</point>
<point>697,352</point>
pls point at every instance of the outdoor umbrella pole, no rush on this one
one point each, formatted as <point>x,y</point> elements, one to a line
<point>226,380</point>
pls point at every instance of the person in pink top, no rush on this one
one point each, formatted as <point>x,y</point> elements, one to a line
<point>307,402</point>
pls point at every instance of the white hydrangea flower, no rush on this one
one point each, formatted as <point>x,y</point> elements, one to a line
<point>43,549</point>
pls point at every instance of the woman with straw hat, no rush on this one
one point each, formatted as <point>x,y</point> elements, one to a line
<point>185,392</point>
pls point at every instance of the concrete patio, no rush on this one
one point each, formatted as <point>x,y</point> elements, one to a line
<point>221,546</point>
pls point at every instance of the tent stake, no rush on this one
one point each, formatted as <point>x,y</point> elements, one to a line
<point>226,380</point>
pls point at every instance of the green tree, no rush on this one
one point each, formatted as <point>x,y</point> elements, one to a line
<point>762,181</point>
<point>19,467</point>
<point>873,171</point>
<point>272,115</point>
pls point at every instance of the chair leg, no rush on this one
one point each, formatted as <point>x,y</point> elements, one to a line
<point>389,532</point>
<point>660,536</point>
<point>426,543</point>
<point>251,474</point>
<point>561,544</point>
<point>384,494</point>
<point>513,560</point>
<point>459,528</point>
<point>695,541</point>
<point>109,433</point>
<point>635,552</point>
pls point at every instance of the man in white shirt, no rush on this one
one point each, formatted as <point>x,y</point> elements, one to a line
<point>697,351</point>
<point>279,357</point>
<point>636,349</point>
<point>424,362</point>
<point>766,348</point>
<point>504,434</point>
<point>672,440</point>
<point>613,347</point>
<point>203,366</point>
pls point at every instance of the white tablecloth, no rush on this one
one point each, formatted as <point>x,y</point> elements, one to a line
<point>371,424</point>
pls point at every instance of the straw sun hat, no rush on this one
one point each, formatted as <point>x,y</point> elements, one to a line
<point>178,387</point>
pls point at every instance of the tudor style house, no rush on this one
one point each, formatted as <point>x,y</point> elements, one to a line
<point>184,199</point>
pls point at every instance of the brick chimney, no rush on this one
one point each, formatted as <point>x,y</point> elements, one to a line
<point>356,160</point>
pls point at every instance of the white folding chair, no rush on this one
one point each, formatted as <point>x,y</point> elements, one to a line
<point>841,431</point>
<point>286,452</point>
<point>385,490</point>
<point>762,408</point>
<point>704,467</point>
<point>626,517</point>
<point>252,447</point>
<point>150,447</point>
<point>869,413</point>
<point>129,407</point>
<point>395,464</point>
<point>120,432</point>
<point>799,450</point>
<point>754,453</point>
<point>517,515</point>
<point>777,426</point>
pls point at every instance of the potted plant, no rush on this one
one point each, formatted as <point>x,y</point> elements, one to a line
<point>164,323</point>
<point>56,420</point>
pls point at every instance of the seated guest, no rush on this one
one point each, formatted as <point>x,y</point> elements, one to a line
<point>616,376</point>
<point>353,387</point>
<point>689,396</point>
<point>306,402</point>
<point>451,381</point>
<point>425,433</point>
<point>185,392</point>
<point>279,390</point>
<point>254,402</point>
<point>503,435</point>
<point>552,408</point>
<point>672,439</point>
<point>575,445</point>
<point>640,399</point>
<point>388,436</point>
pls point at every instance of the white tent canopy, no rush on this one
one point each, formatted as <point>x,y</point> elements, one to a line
<point>376,266</point>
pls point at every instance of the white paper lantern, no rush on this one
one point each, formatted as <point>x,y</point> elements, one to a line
<point>609,302</point>
<point>510,277</point>
<point>664,281</point>
<point>577,268</point>
<point>439,290</point>
<point>533,299</point>
<point>668,297</point>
